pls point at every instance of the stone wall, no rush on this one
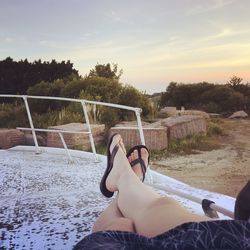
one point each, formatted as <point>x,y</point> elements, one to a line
<point>75,140</point>
<point>10,138</point>
<point>170,111</point>
<point>182,126</point>
<point>29,140</point>
<point>155,138</point>
<point>159,134</point>
<point>194,113</point>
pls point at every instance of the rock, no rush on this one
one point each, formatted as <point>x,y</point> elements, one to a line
<point>154,134</point>
<point>238,114</point>
<point>155,138</point>
<point>170,111</point>
<point>131,124</point>
<point>214,115</point>
<point>194,112</point>
<point>160,133</point>
<point>182,126</point>
<point>10,138</point>
<point>75,140</point>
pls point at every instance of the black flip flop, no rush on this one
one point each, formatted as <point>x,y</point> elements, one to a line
<point>139,160</point>
<point>110,161</point>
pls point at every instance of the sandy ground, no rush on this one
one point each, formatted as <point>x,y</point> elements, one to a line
<point>224,170</point>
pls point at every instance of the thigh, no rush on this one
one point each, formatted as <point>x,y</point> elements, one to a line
<point>121,224</point>
<point>114,224</point>
<point>162,216</point>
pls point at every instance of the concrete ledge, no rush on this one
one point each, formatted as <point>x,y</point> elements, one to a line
<point>155,138</point>
<point>76,139</point>
<point>182,126</point>
<point>10,138</point>
<point>159,134</point>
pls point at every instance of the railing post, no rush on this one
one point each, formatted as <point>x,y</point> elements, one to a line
<point>65,147</point>
<point>31,124</point>
<point>138,117</point>
<point>89,129</point>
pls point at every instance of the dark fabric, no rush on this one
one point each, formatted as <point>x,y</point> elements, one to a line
<point>212,235</point>
<point>242,204</point>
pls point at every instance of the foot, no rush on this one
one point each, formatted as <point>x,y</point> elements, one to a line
<point>120,165</point>
<point>138,168</point>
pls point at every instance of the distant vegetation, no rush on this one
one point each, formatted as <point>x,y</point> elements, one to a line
<point>102,83</point>
<point>213,98</point>
<point>17,77</point>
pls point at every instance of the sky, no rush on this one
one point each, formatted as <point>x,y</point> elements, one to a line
<point>154,41</point>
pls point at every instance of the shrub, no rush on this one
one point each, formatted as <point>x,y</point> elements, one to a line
<point>13,115</point>
<point>214,129</point>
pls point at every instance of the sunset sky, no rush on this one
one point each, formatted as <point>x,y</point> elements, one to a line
<point>153,41</point>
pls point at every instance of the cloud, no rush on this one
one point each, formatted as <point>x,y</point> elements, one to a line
<point>53,44</point>
<point>5,39</point>
<point>116,17</point>
<point>198,55</point>
<point>208,6</point>
<point>226,32</point>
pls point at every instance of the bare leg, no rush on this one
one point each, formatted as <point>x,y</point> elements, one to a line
<point>150,213</point>
<point>112,219</point>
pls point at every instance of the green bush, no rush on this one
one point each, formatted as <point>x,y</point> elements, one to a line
<point>13,115</point>
<point>214,129</point>
<point>69,117</point>
<point>46,89</point>
<point>45,120</point>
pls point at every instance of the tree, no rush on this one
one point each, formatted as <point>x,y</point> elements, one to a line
<point>105,70</point>
<point>208,97</point>
<point>73,88</point>
<point>165,96</point>
<point>17,77</point>
<point>130,96</point>
<point>46,89</point>
<point>235,81</point>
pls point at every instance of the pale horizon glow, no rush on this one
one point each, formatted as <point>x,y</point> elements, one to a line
<point>154,42</point>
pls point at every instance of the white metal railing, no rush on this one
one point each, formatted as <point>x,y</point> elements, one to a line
<point>86,117</point>
<point>60,132</point>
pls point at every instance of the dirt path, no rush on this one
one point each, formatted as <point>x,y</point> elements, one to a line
<point>225,170</point>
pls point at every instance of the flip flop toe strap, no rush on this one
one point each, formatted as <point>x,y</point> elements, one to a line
<point>142,165</point>
<point>112,156</point>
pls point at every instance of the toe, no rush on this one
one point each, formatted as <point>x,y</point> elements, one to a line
<point>136,153</point>
<point>137,168</point>
<point>130,159</point>
<point>122,146</point>
<point>115,140</point>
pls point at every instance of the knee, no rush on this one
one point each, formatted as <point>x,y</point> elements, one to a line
<point>121,224</point>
